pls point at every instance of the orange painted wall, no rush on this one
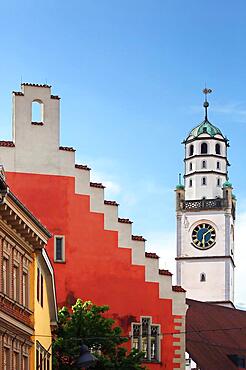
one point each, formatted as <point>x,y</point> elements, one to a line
<point>95,268</point>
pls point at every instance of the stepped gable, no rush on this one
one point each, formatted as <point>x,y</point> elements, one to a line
<point>101,253</point>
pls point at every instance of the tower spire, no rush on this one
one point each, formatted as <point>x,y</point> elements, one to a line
<point>206,103</point>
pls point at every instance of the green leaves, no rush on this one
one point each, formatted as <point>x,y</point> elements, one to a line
<point>87,323</point>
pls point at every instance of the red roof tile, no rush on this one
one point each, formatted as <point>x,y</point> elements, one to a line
<point>9,144</point>
<point>178,288</point>
<point>97,185</point>
<point>82,167</point>
<point>139,238</point>
<point>111,203</point>
<point>124,220</point>
<point>55,97</point>
<point>213,333</point>
<point>165,272</point>
<point>151,255</point>
<point>35,85</point>
<point>38,123</point>
<point>67,148</point>
<point>18,93</point>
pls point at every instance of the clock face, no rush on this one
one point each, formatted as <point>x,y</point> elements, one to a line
<point>203,236</point>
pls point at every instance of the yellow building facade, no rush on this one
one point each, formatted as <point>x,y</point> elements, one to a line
<point>28,309</point>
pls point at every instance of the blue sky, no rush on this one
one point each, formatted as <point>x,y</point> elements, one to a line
<point>130,75</point>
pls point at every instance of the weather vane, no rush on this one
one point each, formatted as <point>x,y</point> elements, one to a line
<point>206,104</point>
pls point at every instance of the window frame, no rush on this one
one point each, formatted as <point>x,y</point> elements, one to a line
<point>63,249</point>
<point>158,338</point>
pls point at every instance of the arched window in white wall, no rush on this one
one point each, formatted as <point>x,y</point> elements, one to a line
<point>217,149</point>
<point>218,182</point>
<point>218,165</point>
<point>37,112</point>
<point>190,166</point>
<point>204,181</point>
<point>204,148</point>
<point>202,277</point>
<point>190,183</point>
<point>191,150</point>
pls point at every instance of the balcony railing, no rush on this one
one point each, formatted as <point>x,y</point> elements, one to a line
<point>192,205</point>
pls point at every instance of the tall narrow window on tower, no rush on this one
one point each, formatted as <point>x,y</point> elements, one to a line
<point>204,181</point>
<point>204,164</point>
<point>190,183</point>
<point>191,166</point>
<point>218,165</point>
<point>217,149</point>
<point>191,150</point>
<point>204,148</point>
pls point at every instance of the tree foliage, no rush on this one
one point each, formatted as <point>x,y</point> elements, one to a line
<point>87,324</point>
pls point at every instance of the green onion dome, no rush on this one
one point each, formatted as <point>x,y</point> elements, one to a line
<point>205,128</point>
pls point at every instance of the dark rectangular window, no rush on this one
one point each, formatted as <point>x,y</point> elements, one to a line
<point>59,249</point>
<point>37,359</point>
<point>42,290</point>
<point>38,289</point>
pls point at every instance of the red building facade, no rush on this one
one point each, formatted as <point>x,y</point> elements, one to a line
<point>94,254</point>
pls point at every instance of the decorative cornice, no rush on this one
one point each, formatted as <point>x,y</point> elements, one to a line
<point>36,85</point>
<point>207,172</point>
<point>188,141</point>
<point>206,257</point>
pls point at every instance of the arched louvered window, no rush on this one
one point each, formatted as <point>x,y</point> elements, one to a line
<point>204,148</point>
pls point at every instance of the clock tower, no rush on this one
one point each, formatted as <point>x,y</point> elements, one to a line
<point>205,208</point>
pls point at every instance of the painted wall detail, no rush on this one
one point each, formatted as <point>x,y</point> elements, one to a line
<point>22,242</point>
<point>205,208</point>
<point>97,258</point>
